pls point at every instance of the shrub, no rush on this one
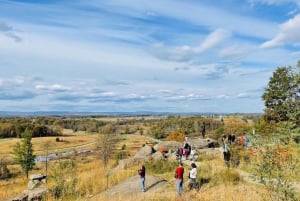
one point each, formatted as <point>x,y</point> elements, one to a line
<point>160,167</point>
<point>176,136</point>
<point>118,156</point>
<point>4,171</point>
<point>229,176</point>
<point>65,179</point>
<point>276,167</point>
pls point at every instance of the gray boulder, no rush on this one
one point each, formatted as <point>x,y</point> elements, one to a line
<point>165,146</point>
<point>125,163</point>
<point>144,153</point>
<point>36,194</point>
<point>158,156</point>
<point>200,143</point>
<point>172,157</point>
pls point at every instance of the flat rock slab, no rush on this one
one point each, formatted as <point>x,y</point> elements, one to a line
<point>130,189</point>
<point>132,186</point>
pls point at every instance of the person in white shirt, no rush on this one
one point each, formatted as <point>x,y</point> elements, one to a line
<point>193,152</point>
<point>193,173</point>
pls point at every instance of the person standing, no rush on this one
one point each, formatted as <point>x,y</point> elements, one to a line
<point>226,152</point>
<point>179,179</point>
<point>142,173</point>
<point>179,154</point>
<point>193,152</point>
<point>187,149</point>
<point>193,173</point>
<point>203,130</point>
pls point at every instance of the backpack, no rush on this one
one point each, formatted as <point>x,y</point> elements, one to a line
<point>180,151</point>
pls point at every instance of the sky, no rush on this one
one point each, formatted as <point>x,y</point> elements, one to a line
<point>139,55</point>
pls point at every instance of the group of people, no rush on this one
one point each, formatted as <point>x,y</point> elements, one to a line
<point>230,139</point>
<point>179,172</point>
<point>186,151</point>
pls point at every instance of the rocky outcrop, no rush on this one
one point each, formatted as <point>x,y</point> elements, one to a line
<point>165,146</point>
<point>144,153</point>
<point>35,191</point>
<point>200,143</point>
<point>158,156</point>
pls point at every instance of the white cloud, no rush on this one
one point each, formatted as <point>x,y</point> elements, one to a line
<point>17,81</point>
<point>187,52</point>
<point>53,87</point>
<point>288,34</point>
<point>198,14</point>
<point>272,2</point>
<point>236,52</point>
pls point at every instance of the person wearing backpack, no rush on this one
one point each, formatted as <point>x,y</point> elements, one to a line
<point>187,149</point>
<point>180,150</point>
<point>225,148</point>
<point>179,178</point>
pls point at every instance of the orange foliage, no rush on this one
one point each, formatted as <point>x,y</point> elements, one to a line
<point>176,136</point>
<point>235,125</point>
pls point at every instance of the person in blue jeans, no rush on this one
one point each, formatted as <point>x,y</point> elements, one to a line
<point>179,179</point>
<point>142,173</point>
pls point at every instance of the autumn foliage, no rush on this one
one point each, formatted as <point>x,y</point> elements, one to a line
<point>176,136</point>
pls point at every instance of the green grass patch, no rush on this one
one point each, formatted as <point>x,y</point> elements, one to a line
<point>160,166</point>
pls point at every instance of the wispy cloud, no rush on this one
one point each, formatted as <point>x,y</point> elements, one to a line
<point>272,2</point>
<point>187,52</point>
<point>288,34</point>
<point>53,87</point>
<point>139,55</point>
<point>9,31</point>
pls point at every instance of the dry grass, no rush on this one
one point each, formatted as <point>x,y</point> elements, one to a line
<point>66,142</point>
<point>93,178</point>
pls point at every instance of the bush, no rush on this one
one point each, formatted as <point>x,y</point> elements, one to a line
<point>4,171</point>
<point>160,167</point>
<point>119,156</point>
<point>276,167</point>
<point>229,176</point>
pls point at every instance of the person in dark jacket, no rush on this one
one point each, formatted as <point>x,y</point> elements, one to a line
<point>142,173</point>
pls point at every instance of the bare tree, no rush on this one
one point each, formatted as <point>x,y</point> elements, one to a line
<point>106,142</point>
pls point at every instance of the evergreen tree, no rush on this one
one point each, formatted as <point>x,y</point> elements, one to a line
<point>282,95</point>
<point>23,153</point>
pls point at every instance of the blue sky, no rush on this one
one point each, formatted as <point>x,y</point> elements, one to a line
<point>140,55</point>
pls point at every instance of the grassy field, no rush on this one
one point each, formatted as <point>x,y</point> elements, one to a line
<point>92,178</point>
<point>67,141</point>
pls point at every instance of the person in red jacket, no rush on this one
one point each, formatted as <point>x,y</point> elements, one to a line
<point>179,179</point>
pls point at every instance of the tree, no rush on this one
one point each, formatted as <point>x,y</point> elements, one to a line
<point>293,103</point>
<point>23,153</point>
<point>281,95</point>
<point>106,142</point>
<point>46,146</point>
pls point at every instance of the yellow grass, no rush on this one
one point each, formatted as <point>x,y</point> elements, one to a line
<point>66,143</point>
<point>93,178</point>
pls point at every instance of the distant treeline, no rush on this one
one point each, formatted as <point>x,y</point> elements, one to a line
<point>158,127</point>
